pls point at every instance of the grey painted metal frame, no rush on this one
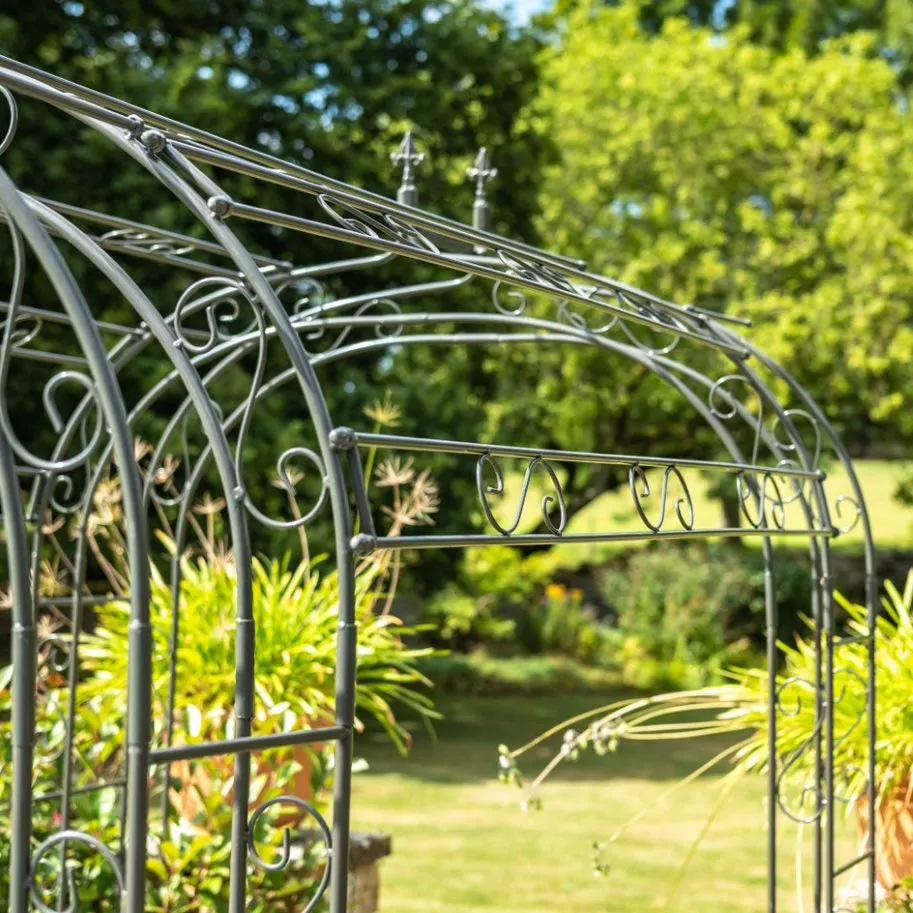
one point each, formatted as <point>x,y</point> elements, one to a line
<point>239,306</point>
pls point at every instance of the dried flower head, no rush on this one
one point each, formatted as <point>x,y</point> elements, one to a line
<point>141,449</point>
<point>106,509</point>
<point>394,472</point>
<point>385,414</point>
<point>425,497</point>
<point>49,582</point>
<point>289,480</point>
<point>209,506</point>
<point>165,473</point>
<point>45,628</point>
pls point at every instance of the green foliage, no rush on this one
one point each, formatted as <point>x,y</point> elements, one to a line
<point>188,865</point>
<point>296,616</point>
<point>894,748</point>
<point>721,173</point>
<point>494,586</point>
<point>480,673</point>
<point>743,707</point>
<point>683,614</point>
<point>901,899</point>
<point>559,622</point>
<point>501,600</point>
<point>296,613</point>
<point>781,24</point>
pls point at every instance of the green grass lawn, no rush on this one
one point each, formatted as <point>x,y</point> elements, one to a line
<point>462,844</point>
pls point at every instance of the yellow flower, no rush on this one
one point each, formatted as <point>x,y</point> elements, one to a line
<point>555,592</point>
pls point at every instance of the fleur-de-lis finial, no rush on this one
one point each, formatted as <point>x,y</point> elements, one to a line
<point>409,158</point>
<point>482,173</point>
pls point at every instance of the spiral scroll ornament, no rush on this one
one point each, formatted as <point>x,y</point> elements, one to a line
<point>641,491</point>
<point>486,461</point>
<point>41,857</point>
<point>217,300</point>
<point>285,857</point>
<point>762,500</point>
<point>147,242</point>
<point>388,227</point>
<point>810,792</point>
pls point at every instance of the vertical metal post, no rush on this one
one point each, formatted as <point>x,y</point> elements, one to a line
<point>346,642</point>
<point>827,607</point>
<point>871,601</point>
<point>770,614</point>
<point>23,685</point>
<point>818,884</point>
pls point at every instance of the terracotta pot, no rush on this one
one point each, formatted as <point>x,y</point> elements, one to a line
<point>893,835</point>
<point>196,778</point>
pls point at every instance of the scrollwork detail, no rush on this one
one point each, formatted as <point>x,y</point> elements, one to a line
<point>809,790</point>
<point>26,328</point>
<point>64,837</point>
<point>517,294</point>
<point>750,490</point>
<point>381,331</point>
<point>536,272</point>
<point>222,293</point>
<point>579,322</point>
<point>640,490</point>
<point>286,853</point>
<point>847,527</point>
<point>725,405</point>
<point>49,399</point>
<point>309,293</point>
<point>793,446</point>
<point>287,479</point>
<point>146,242</point>
<point>388,228</point>
<point>497,489</point>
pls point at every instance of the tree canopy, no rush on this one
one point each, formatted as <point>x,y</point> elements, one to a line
<point>723,173</point>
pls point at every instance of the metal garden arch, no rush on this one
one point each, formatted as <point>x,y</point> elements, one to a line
<point>236,306</point>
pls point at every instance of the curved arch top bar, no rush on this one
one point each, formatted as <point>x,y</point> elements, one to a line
<point>153,416</point>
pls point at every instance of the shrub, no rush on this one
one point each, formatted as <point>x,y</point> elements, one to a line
<point>559,622</point>
<point>188,864</point>
<point>296,614</point>
<point>681,614</point>
<point>495,586</point>
<point>482,674</point>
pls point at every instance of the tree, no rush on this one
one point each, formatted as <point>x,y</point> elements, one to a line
<point>714,171</point>
<point>781,24</point>
<point>330,85</point>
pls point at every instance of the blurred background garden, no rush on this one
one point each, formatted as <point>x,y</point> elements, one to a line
<point>753,157</point>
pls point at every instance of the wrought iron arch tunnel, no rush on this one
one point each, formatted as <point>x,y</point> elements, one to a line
<point>240,308</point>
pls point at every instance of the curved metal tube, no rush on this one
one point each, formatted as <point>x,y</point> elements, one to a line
<point>112,405</point>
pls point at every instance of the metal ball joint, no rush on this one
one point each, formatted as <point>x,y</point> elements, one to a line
<point>154,141</point>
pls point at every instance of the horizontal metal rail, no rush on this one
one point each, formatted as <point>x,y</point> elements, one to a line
<point>862,857</point>
<point>401,543</point>
<point>467,448</point>
<point>246,744</point>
